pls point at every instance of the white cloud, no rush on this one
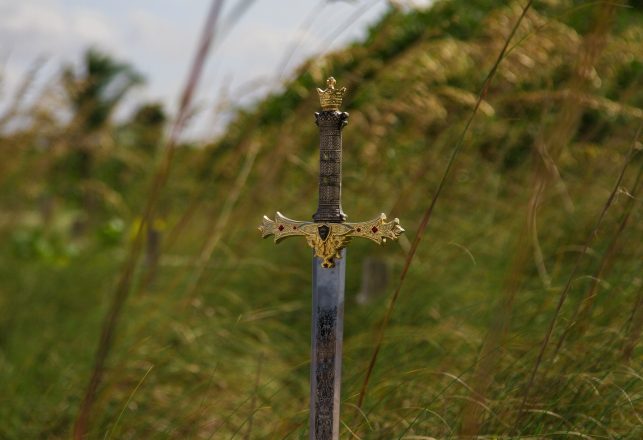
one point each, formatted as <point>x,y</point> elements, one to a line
<point>30,28</point>
<point>156,34</point>
<point>89,26</point>
<point>31,16</point>
<point>159,37</point>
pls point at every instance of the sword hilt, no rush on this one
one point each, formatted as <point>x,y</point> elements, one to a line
<point>330,123</point>
<point>328,234</point>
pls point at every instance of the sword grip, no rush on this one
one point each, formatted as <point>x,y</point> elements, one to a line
<point>330,123</point>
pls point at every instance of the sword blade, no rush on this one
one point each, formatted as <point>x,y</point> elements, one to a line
<point>327,341</point>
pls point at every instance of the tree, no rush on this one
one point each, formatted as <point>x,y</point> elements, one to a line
<point>93,92</point>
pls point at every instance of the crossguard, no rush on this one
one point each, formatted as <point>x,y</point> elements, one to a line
<point>328,239</point>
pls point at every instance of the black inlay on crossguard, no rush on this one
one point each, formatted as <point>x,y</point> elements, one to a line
<point>323,232</point>
<point>330,123</point>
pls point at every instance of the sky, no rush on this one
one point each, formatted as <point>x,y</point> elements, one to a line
<point>159,37</point>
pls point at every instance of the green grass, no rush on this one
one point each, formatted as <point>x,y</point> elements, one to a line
<point>233,353</point>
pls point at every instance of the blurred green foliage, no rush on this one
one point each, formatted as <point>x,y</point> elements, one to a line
<point>563,111</point>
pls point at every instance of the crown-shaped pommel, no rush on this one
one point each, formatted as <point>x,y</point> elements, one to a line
<point>331,98</point>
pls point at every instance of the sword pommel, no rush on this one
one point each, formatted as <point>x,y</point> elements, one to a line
<point>331,98</point>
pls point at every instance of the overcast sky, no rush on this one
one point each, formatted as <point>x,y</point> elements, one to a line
<point>158,37</point>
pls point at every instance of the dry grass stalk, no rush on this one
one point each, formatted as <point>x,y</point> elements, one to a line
<point>427,215</point>
<point>582,314</point>
<point>636,328</point>
<point>566,124</point>
<point>562,132</point>
<point>81,425</point>
<point>482,380</point>
<point>216,228</point>
<point>565,292</point>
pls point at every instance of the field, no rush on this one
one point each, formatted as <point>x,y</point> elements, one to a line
<point>138,301</point>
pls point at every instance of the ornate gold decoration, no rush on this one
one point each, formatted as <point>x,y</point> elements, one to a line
<point>331,98</point>
<point>328,239</point>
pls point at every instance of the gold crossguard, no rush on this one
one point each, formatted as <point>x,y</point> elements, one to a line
<point>328,239</point>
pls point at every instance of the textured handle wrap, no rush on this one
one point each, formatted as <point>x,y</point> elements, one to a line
<point>329,209</point>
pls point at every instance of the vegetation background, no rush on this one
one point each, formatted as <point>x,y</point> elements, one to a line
<point>139,302</point>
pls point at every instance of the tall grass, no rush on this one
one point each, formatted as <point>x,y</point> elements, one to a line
<point>522,314</point>
<point>159,180</point>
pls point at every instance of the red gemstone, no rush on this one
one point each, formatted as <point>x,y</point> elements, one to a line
<point>294,227</point>
<point>359,229</point>
<point>374,229</point>
<point>281,227</point>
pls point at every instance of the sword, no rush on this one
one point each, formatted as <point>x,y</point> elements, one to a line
<point>328,235</point>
